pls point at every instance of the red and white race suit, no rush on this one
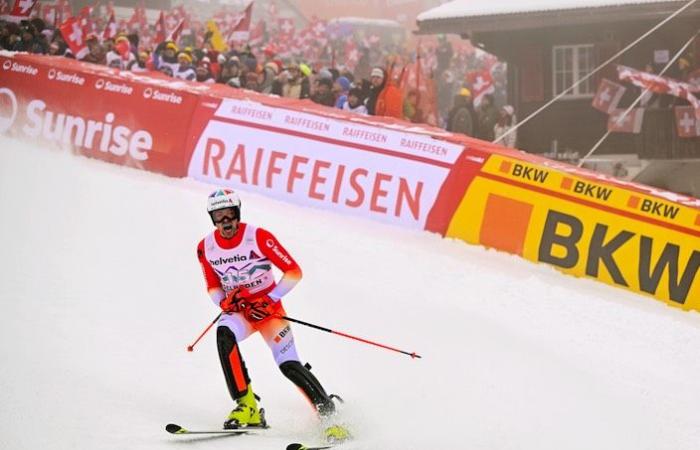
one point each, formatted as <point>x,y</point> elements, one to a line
<point>246,260</point>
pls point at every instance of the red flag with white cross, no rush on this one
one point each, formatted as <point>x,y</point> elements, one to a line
<point>687,125</point>
<point>75,37</point>
<point>110,31</point>
<point>608,96</point>
<point>481,83</point>
<point>618,122</point>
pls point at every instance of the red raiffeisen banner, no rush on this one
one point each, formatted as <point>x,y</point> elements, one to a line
<point>623,234</point>
<point>96,111</point>
<point>345,164</point>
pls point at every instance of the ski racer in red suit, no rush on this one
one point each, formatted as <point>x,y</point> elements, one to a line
<point>237,261</point>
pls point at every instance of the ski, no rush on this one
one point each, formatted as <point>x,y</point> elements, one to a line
<point>297,446</point>
<point>177,429</point>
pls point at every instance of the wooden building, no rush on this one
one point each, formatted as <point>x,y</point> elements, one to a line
<point>550,44</point>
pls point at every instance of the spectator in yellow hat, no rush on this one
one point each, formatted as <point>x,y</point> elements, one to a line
<point>185,70</point>
<point>462,118</point>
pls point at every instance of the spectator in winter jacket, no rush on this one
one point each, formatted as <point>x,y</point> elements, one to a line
<point>30,40</point>
<point>270,72</point>
<point>341,86</point>
<point>120,56</point>
<point>96,53</point>
<point>323,94</point>
<point>390,101</point>
<point>296,84</point>
<point>377,81</point>
<point>203,71</point>
<point>252,82</point>
<point>140,64</point>
<point>355,101</point>
<point>166,56</point>
<point>230,72</point>
<point>506,121</point>
<point>447,88</point>
<point>488,117</point>
<point>185,70</point>
<point>461,118</point>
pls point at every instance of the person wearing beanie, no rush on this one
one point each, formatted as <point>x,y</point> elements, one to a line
<point>324,92</point>
<point>96,53</point>
<point>506,121</point>
<point>252,81</point>
<point>462,118</point>
<point>377,81</point>
<point>270,72</point>
<point>340,90</point>
<point>140,63</point>
<point>296,84</point>
<point>305,70</point>
<point>165,58</point>
<point>390,100</point>
<point>185,71</point>
<point>120,56</point>
<point>230,72</point>
<point>325,73</point>
<point>355,102</point>
<point>203,71</point>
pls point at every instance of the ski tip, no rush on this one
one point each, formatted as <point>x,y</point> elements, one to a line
<point>174,429</point>
<point>296,446</point>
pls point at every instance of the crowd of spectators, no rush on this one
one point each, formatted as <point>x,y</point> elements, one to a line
<point>368,89</point>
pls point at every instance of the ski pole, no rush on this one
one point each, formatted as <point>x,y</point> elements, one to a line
<point>366,341</point>
<point>191,347</point>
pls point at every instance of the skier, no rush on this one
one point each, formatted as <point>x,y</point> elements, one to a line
<point>237,260</point>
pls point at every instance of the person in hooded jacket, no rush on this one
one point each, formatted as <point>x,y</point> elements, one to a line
<point>462,118</point>
<point>355,101</point>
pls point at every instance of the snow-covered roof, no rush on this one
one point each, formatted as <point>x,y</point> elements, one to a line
<point>360,21</point>
<point>475,8</point>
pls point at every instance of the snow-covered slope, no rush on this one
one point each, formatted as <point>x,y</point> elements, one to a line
<point>100,292</point>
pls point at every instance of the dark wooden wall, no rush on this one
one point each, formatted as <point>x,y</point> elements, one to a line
<point>574,123</point>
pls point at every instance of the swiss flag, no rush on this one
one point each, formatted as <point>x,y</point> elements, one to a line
<point>175,34</point>
<point>21,10</point>
<point>631,123</point>
<point>160,29</point>
<point>285,27</point>
<point>257,35</point>
<point>110,31</point>
<point>661,85</point>
<point>608,96</point>
<point>687,126</point>
<point>240,31</point>
<point>481,83</point>
<point>49,14</point>
<point>75,37</point>
<point>694,81</point>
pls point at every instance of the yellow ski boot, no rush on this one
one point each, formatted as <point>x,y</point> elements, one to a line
<point>336,433</point>
<point>246,414</point>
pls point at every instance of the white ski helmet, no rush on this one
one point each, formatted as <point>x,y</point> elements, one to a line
<point>222,199</point>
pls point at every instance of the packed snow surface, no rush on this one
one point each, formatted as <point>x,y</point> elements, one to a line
<point>470,8</point>
<point>101,292</point>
